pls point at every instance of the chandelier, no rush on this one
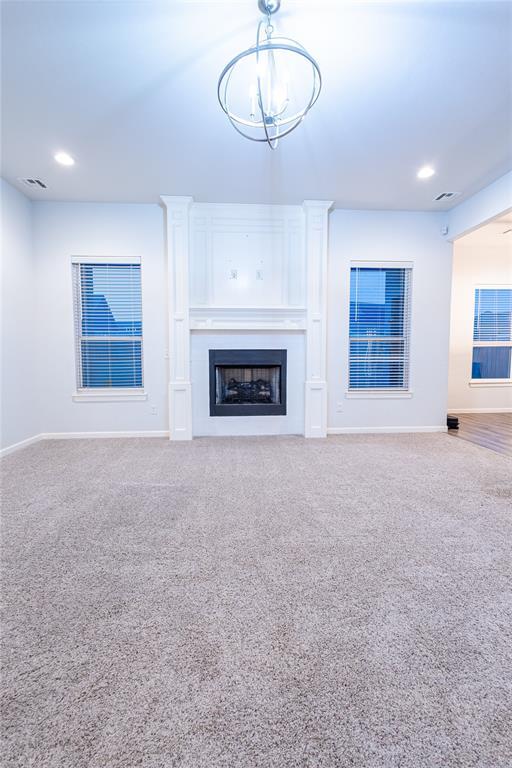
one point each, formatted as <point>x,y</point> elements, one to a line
<point>267,90</point>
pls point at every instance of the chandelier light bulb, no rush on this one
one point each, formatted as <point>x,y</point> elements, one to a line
<point>267,90</point>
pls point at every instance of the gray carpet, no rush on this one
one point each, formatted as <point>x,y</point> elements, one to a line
<point>257,602</point>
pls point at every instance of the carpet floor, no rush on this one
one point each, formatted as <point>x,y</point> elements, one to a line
<point>257,603</point>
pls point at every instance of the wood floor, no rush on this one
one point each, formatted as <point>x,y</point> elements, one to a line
<point>490,430</point>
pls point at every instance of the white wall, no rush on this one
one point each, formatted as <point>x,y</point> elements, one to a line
<point>390,236</point>
<point>63,230</point>
<point>474,265</point>
<point>20,411</point>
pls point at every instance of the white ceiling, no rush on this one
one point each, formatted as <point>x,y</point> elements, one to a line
<point>494,234</point>
<point>129,88</point>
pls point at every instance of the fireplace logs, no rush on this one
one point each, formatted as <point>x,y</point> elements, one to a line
<point>258,391</point>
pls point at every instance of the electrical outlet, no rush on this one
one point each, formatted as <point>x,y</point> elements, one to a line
<point>153,410</point>
<point>339,407</point>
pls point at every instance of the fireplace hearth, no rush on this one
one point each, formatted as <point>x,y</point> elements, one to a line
<point>247,382</point>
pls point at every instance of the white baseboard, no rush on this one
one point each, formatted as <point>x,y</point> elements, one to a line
<point>165,433</point>
<point>78,436</point>
<point>95,435</point>
<point>479,410</point>
<point>22,444</point>
<point>381,430</point>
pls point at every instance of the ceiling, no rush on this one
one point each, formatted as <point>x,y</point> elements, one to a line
<point>129,89</point>
<point>494,234</point>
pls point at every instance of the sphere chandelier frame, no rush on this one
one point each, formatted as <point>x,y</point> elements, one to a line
<point>275,126</point>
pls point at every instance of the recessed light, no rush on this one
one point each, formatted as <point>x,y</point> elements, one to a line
<point>63,158</point>
<point>426,172</point>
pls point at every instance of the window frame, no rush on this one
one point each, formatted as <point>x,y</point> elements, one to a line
<point>102,394</point>
<point>504,382</point>
<point>387,393</point>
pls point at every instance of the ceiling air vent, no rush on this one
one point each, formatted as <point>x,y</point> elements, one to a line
<point>444,196</point>
<point>34,183</point>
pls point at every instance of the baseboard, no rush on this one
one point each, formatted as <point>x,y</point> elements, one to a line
<point>22,444</point>
<point>479,410</point>
<point>77,436</point>
<point>164,433</point>
<point>95,435</point>
<point>381,430</point>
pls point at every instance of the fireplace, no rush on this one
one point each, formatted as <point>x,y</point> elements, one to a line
<point>247,382</point>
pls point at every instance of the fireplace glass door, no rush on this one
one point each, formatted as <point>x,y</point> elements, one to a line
<point>247,382</point>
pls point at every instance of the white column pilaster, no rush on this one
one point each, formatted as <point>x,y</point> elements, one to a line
<point>178,254</point>
<point>316,242</point>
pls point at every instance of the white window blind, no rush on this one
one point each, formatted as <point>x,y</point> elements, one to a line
<point>380,303</point>
<point>492,333</point>
<point>108,325</point>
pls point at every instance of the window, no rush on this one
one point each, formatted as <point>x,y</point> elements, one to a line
<point>379,328</point>
<point>492,334</point>
<point>108,325</point>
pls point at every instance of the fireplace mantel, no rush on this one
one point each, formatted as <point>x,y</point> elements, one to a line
<point>246,268</point>
<point>247,318</point>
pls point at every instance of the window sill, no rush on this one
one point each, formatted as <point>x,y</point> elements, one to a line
<point>382,394</point>
<point>109,396</point>
<point>490,383</point>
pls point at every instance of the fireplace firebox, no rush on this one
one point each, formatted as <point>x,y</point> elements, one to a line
<point>247,382</point>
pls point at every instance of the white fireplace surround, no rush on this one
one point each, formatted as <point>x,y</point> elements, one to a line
<point>257,271</point>
<point>205,425</point>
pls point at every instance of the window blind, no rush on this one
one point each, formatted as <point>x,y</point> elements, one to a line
<point>108,325</point>
<point>379,328</point>
<point>492,333</point>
